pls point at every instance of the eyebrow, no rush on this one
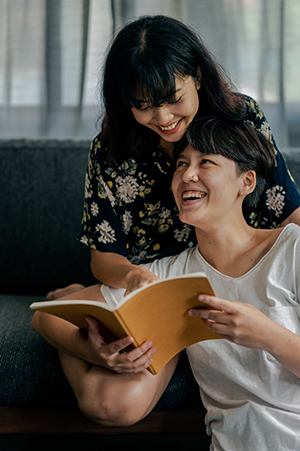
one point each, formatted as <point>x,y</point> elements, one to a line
<point>199,154</point>
<point>146,101</point>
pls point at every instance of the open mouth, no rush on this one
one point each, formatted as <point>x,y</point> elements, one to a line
<point>172,128</point>
<point>193,195</point>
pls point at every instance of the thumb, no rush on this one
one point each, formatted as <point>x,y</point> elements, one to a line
<point>93,324</point>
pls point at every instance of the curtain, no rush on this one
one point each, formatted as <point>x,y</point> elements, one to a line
<point>52,51</point>
<point>50,59</point>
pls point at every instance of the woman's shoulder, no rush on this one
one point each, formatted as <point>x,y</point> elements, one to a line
<point>146,162</point>
<point>96,148</point>
<point>291,231</point>
<point>255,115</point>
<point>252,109</point>
<point>288,240</point>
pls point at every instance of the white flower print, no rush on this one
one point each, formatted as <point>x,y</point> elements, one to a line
<point>165,213</point>
<point>107,191</point>
<point>182,235</point>
<point>94,209</point>
<point>275,199</point>
<point>266,131</point>
<point>127,220</point>
<point>84,239</point>
<point>160,168</point>
<point>135,260</point>
<point>127,188</point>
<point>107,234</point>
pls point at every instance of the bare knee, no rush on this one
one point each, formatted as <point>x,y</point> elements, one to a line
<point>113,399</point>
<point>115,407</point>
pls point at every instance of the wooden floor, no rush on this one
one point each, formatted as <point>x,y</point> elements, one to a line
<point>25,421</point>
<point>32,429</point>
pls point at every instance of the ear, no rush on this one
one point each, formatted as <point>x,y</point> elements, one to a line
<point>199,79</point>
<point>248,183</point>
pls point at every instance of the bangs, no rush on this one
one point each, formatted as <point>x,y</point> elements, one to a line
<point>238,141</point>
<point>151,84</point>
<point>218,136</point>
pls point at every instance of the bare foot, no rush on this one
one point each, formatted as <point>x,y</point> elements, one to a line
<point>60,292</point>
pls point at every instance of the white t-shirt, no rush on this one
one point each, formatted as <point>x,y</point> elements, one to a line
<point>252,401</point>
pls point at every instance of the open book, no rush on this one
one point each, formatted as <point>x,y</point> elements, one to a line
<point>156,312</point>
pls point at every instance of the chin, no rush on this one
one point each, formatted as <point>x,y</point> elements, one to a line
<point>186,219</point>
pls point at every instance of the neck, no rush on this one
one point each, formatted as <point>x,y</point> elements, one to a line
<point>166,149</point>
<point>235,249</point>
<point>220,240</point>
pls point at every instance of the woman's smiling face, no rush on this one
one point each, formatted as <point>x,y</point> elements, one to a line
<point>171,120</point>
<point>205,187</point>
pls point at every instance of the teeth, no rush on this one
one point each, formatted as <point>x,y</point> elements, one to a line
<point>193,195</point>
<point>171,127</point>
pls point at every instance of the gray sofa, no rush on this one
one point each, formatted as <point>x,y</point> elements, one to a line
<point>41,199</point>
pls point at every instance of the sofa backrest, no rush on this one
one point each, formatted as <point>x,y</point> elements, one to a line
<point>41,201</point>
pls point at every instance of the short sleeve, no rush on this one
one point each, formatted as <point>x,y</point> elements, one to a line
<point>101,228</point>
<point>281,196</point>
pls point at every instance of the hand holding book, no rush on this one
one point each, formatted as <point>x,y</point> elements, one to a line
<point>156,312</point>
<point>111,355</point>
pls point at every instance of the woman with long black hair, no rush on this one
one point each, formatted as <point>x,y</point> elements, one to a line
<point>159,76</point>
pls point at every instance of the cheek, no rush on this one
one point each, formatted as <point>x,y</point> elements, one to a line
<point>175,184</point>
<point>194,104</point>
<point>230,188</point>
<point>141,118</point>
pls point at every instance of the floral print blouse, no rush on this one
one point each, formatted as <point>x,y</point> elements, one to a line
<point>132,212</point>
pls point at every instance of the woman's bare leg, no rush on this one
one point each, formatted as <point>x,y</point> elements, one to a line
<point>114,399</point>
<point>61,292</point>
<point>108,397</point>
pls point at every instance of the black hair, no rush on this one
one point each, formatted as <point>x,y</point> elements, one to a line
<point>237,140</point>
<point>141,65</point>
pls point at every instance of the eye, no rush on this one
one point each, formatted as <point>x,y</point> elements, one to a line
<point>176,101</point>
<point>144,108</point>
<point>180,163</point>
<point>206,161</point>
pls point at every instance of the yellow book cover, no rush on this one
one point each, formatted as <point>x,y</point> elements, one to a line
<point>156,312</point>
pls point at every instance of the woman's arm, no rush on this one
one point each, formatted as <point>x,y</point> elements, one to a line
<point>245,325</point>
<point>116,271</point>
<point>89,345</point>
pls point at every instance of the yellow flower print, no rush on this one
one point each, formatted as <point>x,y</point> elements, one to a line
<point>256,109</point>
<point>163,227</point>
<point>291,177</point>
<point>88,187</point>
<point>138,232</point>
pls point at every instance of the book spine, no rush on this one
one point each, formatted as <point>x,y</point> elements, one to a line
<point>127,331</point>
<point>124,326</point>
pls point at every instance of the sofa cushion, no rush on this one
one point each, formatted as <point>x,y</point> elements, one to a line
<point>30,370</point>
<point>31,374</point>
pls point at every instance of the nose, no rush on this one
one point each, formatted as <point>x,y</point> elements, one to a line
<point>163,115</point>
<point>190,174</point>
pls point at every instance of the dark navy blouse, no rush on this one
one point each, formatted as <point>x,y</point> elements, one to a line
<point>132,211</point>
